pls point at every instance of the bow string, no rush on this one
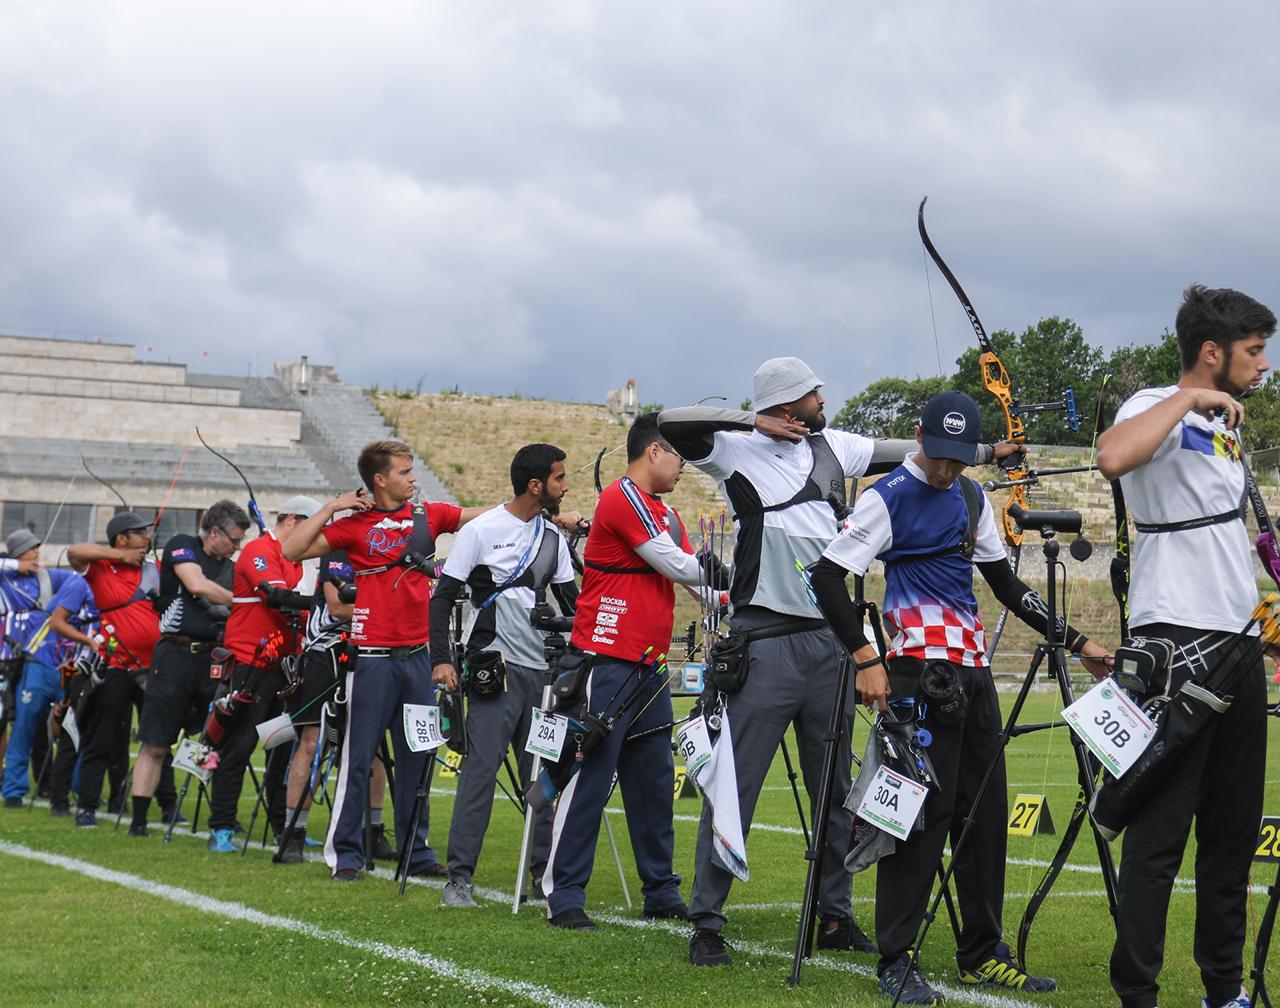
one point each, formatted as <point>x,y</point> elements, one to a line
<point>255,512</point>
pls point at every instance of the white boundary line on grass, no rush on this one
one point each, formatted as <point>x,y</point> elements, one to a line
<point>965,995</point>
<point>443,968</point>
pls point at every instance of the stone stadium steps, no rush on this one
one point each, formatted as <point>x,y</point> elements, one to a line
<point>144,463</point>
<point>346,421</point>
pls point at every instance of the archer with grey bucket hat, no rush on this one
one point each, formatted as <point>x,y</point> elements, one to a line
<point>27,590</point>
<point>784,476</point>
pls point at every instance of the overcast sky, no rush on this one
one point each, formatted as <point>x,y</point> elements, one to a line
<point>552,198</point>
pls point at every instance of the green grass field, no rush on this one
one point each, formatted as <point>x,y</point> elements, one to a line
<point>94,917</point>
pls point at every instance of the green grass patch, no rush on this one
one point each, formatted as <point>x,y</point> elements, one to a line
<point>76,940</point>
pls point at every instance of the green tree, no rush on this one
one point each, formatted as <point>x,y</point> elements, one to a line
<point>1262,416</point>
<point>890,407</point>
<point>1041,363</point>
<point>1142,366</point>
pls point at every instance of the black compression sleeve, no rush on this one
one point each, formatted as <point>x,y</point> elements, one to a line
<point>1026,603</point>
<point>828,579</point>
<point>566,594</point>
<point>443,595</point>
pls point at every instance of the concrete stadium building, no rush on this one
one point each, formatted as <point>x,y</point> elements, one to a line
<point>134,424</point>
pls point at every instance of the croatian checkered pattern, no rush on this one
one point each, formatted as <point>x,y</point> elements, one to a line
<point>931,631</point>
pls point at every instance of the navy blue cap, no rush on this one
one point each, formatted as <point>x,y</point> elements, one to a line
<point>952,427</point>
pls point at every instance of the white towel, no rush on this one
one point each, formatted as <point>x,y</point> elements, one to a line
<point>718,781</point>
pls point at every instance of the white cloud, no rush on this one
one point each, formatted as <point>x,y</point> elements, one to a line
<point>555,197</point>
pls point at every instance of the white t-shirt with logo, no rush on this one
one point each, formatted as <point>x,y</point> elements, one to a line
<point>1200,577</point>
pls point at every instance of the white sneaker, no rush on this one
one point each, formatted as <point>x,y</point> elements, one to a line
<point>457,893</point>
<point>1239,1001</point>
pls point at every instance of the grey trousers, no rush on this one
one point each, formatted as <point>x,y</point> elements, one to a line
<point>492,726</point>
<point>790,679</point>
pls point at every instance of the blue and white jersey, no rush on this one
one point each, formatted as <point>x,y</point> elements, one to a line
<point>43,644</point>
<point>929,605</point>
<point>20,603</point>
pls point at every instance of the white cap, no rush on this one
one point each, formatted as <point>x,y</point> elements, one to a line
<point>299,505</point>
<point>782,380</point>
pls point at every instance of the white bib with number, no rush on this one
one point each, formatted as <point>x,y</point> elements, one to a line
<point>546,735</point>
<point>695,746</point>
<point>422,727</point>
<point>892,802</point>
<point>1113,727</point>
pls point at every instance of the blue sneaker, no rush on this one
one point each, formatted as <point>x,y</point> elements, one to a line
<point>220,841</point>
<point>1241,1000</point>
<point>313,843</point>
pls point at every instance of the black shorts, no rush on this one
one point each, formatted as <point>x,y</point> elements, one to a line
<point>178,694</point>
<point>318,678</point>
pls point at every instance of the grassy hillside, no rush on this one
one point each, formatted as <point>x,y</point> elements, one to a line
<point>469,440</point>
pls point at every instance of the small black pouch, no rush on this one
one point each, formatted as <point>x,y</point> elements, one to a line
<point>1142,665</point>
<point>486,674</point>
<point>940,687</point>
<point>570,686</point>
<point>727,663</point>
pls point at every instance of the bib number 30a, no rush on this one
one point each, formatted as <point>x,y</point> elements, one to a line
<point>892,802</point>
<point>1113,727</point>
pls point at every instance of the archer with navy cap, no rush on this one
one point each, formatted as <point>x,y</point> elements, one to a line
<point>929,525</point>
<point>123,584</point>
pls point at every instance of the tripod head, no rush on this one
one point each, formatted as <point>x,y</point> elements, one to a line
<point>1048,524</point>
<point>553,627</point>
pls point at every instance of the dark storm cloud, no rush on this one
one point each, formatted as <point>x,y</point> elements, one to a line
<point>553,198</point>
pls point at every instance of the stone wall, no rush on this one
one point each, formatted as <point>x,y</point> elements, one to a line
<point>145,422</point>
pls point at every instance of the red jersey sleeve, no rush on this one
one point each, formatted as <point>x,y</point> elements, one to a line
<point>442,518</point>
<point>627,514</point>
<point>341,534</point>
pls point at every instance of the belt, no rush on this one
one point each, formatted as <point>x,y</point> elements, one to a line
<point>192,644</point>
<point>398,653</point>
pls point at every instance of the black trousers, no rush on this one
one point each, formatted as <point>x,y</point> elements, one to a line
<point>238,745</point>
<point>104,747</point>
<point>1218,782</point>
<point>961,754</point>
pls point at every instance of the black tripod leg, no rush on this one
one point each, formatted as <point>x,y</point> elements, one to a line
<point>817,849</point>
<point>177,807</point>
<point>1263,945</point>
<point>200,797</point>
<point>389,766</point>
<point>257,803</point>
<point>1087,768</point>
<point>951,903</point>
<point>419,801</point>
<point>795,790</point>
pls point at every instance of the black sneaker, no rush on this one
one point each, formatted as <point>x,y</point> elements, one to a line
<point>845,936</point>
<point>708,948</point>
<point>13,803</point>
<point>59,811</point>
<point>382,851</point>
<point>291,850</point>
<point>573,919</point>
<point>87,817</point>
<point>138,829</point>
<point>347,875</point>
<point>904,974</point>
<point>677,911</point>
<point>999,970</point>
<point>174,815</point>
